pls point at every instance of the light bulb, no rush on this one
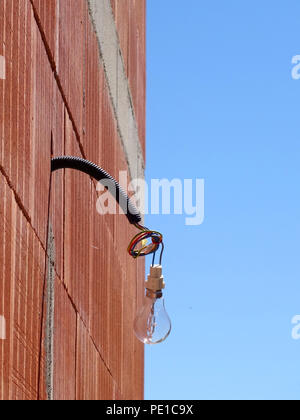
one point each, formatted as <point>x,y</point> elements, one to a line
<point>152,324</point>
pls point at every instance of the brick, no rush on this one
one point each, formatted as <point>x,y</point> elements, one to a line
<point>94,91</point>
<point>25,133</point>
<point>65,335</point>
<point>47,13</point>
<point>77,226</point>
<point>130,19</point>
<point>100,385</point>
<point>58,180</point>
<point>72,34</point>
<point>21,288</point>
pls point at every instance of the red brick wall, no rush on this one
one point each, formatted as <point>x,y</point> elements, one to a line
<point>130,17</point>
<point>55,99</point>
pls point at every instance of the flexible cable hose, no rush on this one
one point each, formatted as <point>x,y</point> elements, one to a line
<point>100,175</point>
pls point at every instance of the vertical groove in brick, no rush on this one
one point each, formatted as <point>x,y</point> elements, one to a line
<point>50,307</point>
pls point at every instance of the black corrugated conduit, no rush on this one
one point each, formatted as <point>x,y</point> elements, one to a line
<point>100,175</point>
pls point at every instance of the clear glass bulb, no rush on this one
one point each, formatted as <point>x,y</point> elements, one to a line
<point>152,324</point>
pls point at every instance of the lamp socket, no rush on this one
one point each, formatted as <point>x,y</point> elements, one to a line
<point>155,280</point>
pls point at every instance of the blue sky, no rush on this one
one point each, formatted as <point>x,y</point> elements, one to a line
<point>222,105</point>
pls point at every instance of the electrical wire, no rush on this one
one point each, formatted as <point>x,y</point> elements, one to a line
<point>153,259</point>
<point>146,242</point>
<point>161,253</point>
<point>99,174</point>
